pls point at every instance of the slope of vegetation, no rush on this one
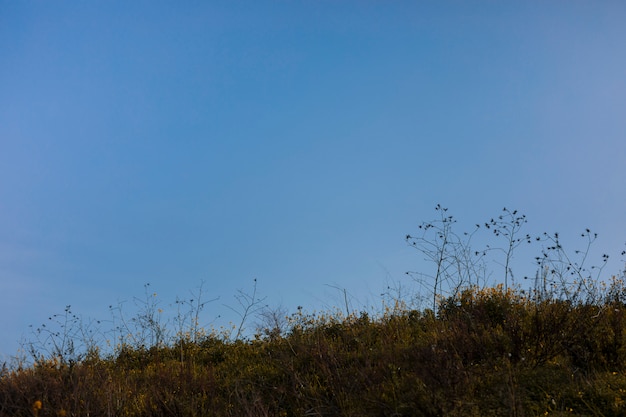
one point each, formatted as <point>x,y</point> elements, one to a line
<point>558,349</point>
<point>486,352</point>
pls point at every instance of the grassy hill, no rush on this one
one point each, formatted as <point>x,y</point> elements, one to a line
<point>558,349</point>
<point>487,351</point>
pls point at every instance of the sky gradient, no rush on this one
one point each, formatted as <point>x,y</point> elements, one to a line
<point>297,143</point>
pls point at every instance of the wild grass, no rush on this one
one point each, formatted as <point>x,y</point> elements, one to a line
<point>558,349</point>
<point>487,351</point>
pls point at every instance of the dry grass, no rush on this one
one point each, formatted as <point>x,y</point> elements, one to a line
<point>487,352</point>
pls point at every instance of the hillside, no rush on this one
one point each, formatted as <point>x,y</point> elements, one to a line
<point>486,351</point>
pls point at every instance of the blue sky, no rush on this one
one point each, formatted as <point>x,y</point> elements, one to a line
<point>296,143</point>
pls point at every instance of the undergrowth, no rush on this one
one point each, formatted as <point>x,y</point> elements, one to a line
<point>556,349</point>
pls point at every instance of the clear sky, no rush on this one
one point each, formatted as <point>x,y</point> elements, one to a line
<point>295,142</point>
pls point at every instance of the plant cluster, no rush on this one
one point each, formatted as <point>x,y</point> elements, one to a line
<point>558,348</point>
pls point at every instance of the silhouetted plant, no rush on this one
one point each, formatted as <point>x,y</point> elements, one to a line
<point>249,304</point>
<point>565,276</point>
<point>65,337</point>
<point>507,226</point>
<point>456,264</point>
